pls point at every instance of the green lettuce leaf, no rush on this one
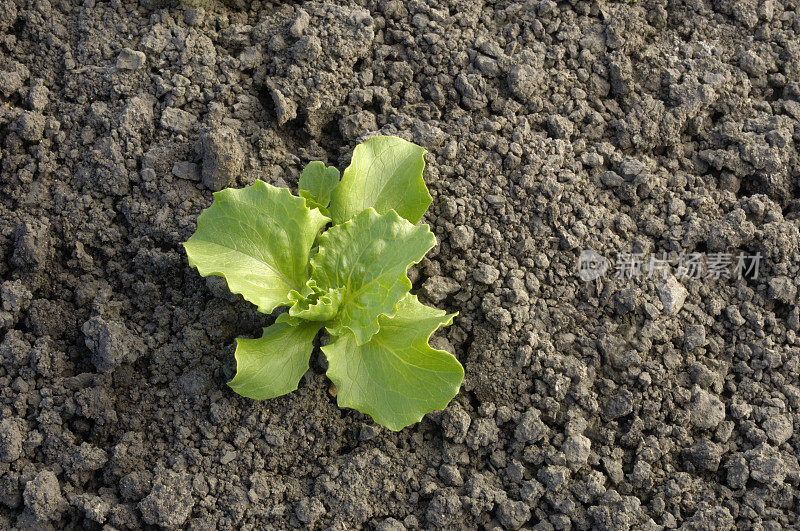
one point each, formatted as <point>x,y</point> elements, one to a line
<point>385,173</point>
<point>315,304</point>
<point>366,260</point>
<point>273,364</point>
<point>316,184</point>
<point>396,377</point>
<point>258,238</point>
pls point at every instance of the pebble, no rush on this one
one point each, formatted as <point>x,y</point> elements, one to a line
<point>43,497</point>
<point>10,440</point>
<point>223,158</point>
<point>129,59</point>
<point>559,126</point>
<point>300,23</point>
<point>768,469</point>
<point>186,170</point>
<point>707,410</point>
<point>30,126</point>
<point>778,428</point>
<point>705,454</point>
<point>522,81</point>
<point>486,274</point>
<point>672,295</point>
<point>462,237</point>
<point>576,450</point>
<point>438,288</point>
<point>177,121</point>
<point>783,289</point>
<point>530,428</point>
<point>513,514</point>
<point>694,337</point>
<point>38,95</point>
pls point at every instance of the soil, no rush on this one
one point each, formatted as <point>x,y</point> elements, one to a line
<point>552,128</point>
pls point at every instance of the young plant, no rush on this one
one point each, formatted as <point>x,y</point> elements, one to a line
<point>350,279</point>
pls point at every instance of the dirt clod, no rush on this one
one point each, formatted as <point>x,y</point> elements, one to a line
<point>594,397</point>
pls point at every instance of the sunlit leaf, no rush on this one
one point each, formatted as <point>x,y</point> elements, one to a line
<point>385,173</point>
<point>316,184</point>
<point>273,364</point>
<point>258,238</point>
<point>366,260</point>
<point>396,377</point>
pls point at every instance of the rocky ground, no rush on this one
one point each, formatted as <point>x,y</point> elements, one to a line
<point>636,127</point>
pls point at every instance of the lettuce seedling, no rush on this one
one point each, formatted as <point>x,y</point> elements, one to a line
<point>350,279</point>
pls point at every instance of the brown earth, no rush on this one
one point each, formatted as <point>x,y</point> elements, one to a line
<point>660,128</point>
